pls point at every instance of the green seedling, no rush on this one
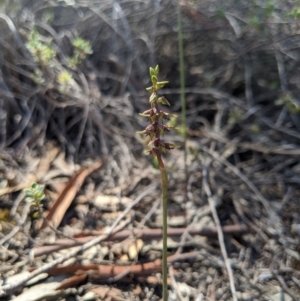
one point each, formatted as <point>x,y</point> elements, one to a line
<point>235,116</point>
<point>34,195</point>
<point>42,53</point>
<point>82,49</point>
<point>65,81</point>
<point>294,13</point>
<point>289,102</point>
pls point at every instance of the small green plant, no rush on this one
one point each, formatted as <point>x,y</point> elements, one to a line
<point>65,81</point>
<point>34,195</point>
<point>255,129</point>
<point>254,22</point>
<point>294,13</point>
<point>289,103</point>
<point>41,52</point>
<point>220,12</point>
<point>37,77</point>
<point>235,116</point>
<point>269,9</point>
<point>156,147</point>
<point>82,48</point>
<point>49,70</point>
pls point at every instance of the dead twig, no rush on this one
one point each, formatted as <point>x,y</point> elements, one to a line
<point>144,234</point>
<point>101,272</point>
<point>57,212</point>
<point>5,289</point>
<point>17,228</point>
<point>283,82</point>
<point>262,199</point>
<point>219,229</point>
<point>174,283</point>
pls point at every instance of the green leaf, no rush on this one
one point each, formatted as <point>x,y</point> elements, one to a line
<point>28,192</point>
<point>156,70</point>
<point>295,13</point>
<point>40,196</point>
<point>149,89</point>
<point>144,115</point>
<point>155,162</point>
<point>154,79</point>
<point>152,72</point>
<point>34,194</point>
<point>82,46</point>
<point>29,199</point>
<point>163,149</point>
<point>279,102</point>
<point>160,85</point>
<point>170,146</point>
<point>152,118</point>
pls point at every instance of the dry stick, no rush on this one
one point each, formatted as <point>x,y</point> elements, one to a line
<point>283,82</point>
<point>22,125</point>
<point>248,81</point>
<point>263,200</point>
<point>183,106</point>
<point>15,32</point>
<point>144,234</point>
<point>16,204</point>
<point>174,283</point>
<point>285,287</point>
<point>149,214</point>
<point>81,128</point>
<point>220,233</point>
<point>251,224</point>
<point>188,230</point>
<point>10,287</point>
<point>277,150</point>
<point>280,129</point>
<point>121,275</point>
<point>17,228</point>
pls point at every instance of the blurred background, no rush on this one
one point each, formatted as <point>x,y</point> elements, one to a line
<point>81,66</point>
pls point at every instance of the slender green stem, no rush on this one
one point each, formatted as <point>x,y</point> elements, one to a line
<point>182,75</point>
<point>183,104</point>
<point>164,186</point>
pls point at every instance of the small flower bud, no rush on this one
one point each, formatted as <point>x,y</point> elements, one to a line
<point>169,146</point>
<point>153,98</point>
<point>157,128</point>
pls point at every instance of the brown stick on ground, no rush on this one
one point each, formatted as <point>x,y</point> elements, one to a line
<point>144,234</point>
<point>59,208</point>
<point>219,228</point>
<point>100,272</point>
<point>8,288</point>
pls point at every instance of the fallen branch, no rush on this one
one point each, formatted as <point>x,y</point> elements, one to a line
<point>7,288</point>
<point>59,208</point>
<point>101,272</point>
<point>144,234</point>
<point>219,229</point>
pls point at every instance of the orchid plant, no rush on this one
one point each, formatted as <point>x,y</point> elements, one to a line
<point>156,147</point>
